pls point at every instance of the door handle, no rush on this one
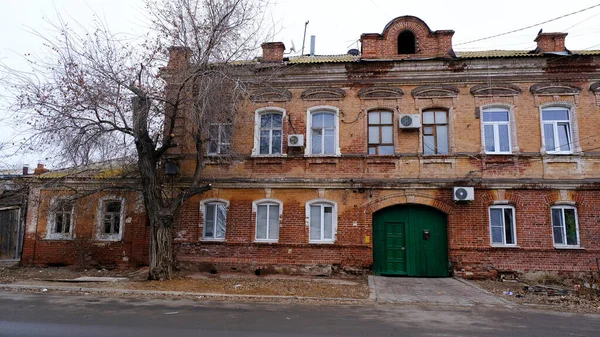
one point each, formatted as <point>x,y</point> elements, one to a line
<point>403,248</point>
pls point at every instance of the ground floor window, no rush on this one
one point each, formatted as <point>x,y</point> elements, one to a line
<point>502,225</point>
<point>322,220</point>
<point>215,216</point>
<point>565,229</point>
<point>267,222</point>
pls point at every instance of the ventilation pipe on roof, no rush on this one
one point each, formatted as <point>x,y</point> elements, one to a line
<point>312,45</point>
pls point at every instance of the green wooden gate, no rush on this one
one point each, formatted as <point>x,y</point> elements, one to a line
<point>410,240</point>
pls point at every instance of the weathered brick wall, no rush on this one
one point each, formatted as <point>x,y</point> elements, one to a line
<point>468,230</point>
<point>131,250</point>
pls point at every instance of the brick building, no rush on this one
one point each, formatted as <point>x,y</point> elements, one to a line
<point>408,158</point>
<point>85,216</point>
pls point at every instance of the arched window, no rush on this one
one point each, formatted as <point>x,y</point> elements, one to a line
<point>557,129</point>
<point>268,214</point>
<point>322,218</point>
<point>407,43</point>
<point>271,124</point>
<point>322,130</point>
<point>214,212</point>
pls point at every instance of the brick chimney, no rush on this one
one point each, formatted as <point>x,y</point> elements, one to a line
<point>551,42</point>
<point>40,169</point>
<point>273,51</point>
<point>25,169</point>
<point>179,57</point>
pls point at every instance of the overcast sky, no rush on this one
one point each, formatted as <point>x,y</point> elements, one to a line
<point>337,25</point>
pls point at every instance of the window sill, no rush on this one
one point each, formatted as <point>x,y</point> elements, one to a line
<point>505,246</point>
<point>212,240</point>
<point>266,241</point>
<point>59,238</point>
<point>321,242</point>
<point>498,153</point>
<point>283,155</point>
<point>569,247</point>
<point>100,239</point>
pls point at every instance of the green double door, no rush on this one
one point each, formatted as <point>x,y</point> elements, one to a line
<point>410,240</point>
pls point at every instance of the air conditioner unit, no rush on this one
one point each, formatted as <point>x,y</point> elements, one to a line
<point>410,121</point>
<point>295,140</point>
<point>464,193</point>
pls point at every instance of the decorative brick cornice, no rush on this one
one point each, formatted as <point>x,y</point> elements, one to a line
<point>554,89</point>
<point>496,89</point>
<point>271,95</point>
<point>323,94</point>
<point>428,91</point>
<point>380,92</point>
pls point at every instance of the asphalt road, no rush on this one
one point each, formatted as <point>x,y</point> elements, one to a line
<point>45,315</point>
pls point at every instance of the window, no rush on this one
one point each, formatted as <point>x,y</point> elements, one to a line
<point>496,130</point>
<point>406,43</point>
<point>322,221</point>
<point>267,221</point>
<point>270,133</point>
<point>61,219</point>
<point>565,229</point>
<point>219,141</point>
<point>111,220</point>
<point>322,128</point>
<point>502,225</point>
<point>435,132</point>
<point>381,140</point>
<point>556,130</point>
<point>215,216</point>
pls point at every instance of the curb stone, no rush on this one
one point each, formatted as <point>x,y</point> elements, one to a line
<point>172,293</point>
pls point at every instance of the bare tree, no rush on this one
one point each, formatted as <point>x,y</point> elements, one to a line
<point>99,96</point>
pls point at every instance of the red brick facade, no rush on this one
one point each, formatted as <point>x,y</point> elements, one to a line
<point>528,177</point>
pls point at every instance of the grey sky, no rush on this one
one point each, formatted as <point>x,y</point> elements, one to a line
<point>337,25</point>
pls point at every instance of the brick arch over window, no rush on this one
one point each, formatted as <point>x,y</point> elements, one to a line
<point>409,198</point>
<point>428,43</point>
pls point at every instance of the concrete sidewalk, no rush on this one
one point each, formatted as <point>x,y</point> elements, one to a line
<point>443,291</point>
<point>400,290</point>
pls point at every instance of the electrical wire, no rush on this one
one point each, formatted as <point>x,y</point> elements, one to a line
<point>530,26</point>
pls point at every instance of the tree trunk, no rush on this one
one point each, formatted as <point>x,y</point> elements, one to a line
<point>160,216</point>
<point>161,250</point>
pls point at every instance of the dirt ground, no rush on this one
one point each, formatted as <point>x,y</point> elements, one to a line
<point>580,299</point>
<point>231,283</point>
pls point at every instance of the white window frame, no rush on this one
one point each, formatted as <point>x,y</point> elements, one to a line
<point>51,221</point>
<point>257,116</point>
<point>334,220</point>
<point>564,227</point>
<point>514,226</point>
<point>100,235</point>
<point>326,109</point>
<point>216,202</point>
<point>219,142</point>
<point>573,128</point>
<point>269,203</point>
<point>511,128</point>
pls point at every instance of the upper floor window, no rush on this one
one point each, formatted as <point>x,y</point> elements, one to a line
<point>435,132</point>
<point>407,43</point>
<point>323,133</point>
<point>267,220</point>
<point>381,140</point>
<point>61,219</point>
<point>502,225</point>
<point>322,217</point>
<point>496,130</point>
<point>270,136</point>
<point>215,216</point>
<point>110,226</point>
<point>219,140</point>
<point>556,130</point>
<point>565,229</point>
